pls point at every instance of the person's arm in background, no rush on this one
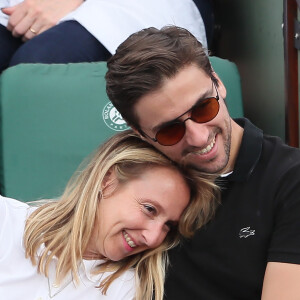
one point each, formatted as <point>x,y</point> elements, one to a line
<point>281,282</point>
<point>37,15</point>
<point>282,275</point>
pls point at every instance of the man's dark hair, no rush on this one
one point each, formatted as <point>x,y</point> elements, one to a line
<point>143,61</point>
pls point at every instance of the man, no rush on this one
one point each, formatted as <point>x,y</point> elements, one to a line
<point>162,83</point>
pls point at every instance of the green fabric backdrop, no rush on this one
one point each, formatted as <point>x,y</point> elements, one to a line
<point>52,116</point>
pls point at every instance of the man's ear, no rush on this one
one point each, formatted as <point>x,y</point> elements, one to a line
<point>221,87</point>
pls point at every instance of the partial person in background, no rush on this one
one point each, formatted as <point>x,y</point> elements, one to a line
<point>86,31</point>
<point>109,231</point>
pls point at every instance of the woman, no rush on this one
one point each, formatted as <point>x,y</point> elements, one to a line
<point>110,229</point>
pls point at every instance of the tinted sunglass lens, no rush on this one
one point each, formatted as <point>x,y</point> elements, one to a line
<point>205,111</point>
<point>202,113</point>
<point>171,134</point>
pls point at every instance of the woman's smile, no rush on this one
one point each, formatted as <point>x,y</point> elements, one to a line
<point>128,241</point>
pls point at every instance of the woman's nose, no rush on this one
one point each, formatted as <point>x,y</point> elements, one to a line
<point>154,234</point>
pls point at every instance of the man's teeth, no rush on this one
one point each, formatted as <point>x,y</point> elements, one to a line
<point>128,240</point>
<point>208,148</point>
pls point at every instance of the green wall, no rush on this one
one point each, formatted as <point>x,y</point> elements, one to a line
<point>251,36</point>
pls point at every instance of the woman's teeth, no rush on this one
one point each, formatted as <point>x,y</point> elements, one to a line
<point>128,240</point>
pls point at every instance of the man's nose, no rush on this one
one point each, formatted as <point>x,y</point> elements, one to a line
<point>196,134</point>
<point>154,234</point>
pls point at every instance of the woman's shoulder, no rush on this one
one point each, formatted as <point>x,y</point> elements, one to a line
<point>12,220</point>
<point>13,203</point>
<point>11,208</point>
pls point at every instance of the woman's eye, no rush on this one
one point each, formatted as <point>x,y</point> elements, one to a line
<point>150,209</point>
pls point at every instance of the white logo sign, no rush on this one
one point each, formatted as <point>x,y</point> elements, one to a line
<point>113,118</point>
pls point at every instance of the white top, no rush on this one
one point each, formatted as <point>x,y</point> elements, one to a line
<point>19,278</point>
<point>6,3</point>
<point>112,21</point>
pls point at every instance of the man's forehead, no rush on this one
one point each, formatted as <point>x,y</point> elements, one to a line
<point>175,97</point>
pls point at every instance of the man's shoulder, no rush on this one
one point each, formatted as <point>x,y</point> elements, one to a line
<point>275,141</point>
<point>277,154</point>
<point>267,151</point>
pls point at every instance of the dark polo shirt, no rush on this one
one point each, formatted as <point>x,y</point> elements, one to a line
<point>258,221</point>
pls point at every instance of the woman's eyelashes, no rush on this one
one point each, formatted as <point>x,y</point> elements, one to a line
<point>147,208</point>
<point>150,209</point>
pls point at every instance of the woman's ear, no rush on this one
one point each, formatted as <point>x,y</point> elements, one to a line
<point>109,182</point>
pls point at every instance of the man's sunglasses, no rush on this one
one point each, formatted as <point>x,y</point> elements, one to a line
<point>202,112</point>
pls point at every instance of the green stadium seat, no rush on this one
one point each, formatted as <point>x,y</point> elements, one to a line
<point>53,116</point>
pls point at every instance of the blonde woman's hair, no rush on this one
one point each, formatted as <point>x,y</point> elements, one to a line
<point>64,227</point>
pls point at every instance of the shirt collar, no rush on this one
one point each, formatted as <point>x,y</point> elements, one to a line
<point>249,153</point>
<point>85,272</point>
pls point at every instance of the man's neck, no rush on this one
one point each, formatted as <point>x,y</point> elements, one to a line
<point>236,139</point>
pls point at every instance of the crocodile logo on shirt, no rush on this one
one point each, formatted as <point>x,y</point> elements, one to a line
<point>245,232</point>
